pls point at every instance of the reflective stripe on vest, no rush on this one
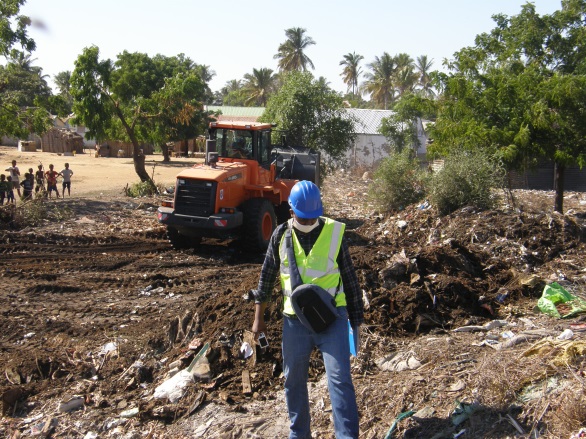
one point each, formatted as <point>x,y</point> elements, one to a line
<point>319,267</point>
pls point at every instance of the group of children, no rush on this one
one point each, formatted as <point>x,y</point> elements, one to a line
<point>46,183</point>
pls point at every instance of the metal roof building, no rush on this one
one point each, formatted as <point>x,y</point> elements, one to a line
<point>369,147</point>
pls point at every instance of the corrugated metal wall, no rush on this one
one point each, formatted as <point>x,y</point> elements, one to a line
<point>542,178</point>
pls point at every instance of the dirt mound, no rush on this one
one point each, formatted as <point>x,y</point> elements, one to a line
<point>99,306</point>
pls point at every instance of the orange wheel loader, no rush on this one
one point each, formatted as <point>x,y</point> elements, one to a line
<point>240,191</point>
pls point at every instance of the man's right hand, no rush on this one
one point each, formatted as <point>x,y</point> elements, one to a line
<point>259,325</point>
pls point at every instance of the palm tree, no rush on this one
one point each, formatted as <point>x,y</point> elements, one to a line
<point>403,60</point>
<point>405,76</point>
<point>405,80</point>
<point>380,82</point>
<point>323,82</point>
<point>423,66</point>
<point>23,60</point>
<point>232,85</point>
<point>259,85</point>
<point>290,55</point>
<point>205,72</point>
<point>351,71</point>
<point>63,82</point>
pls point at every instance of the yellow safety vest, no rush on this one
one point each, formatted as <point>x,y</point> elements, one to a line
<point>319,267</point>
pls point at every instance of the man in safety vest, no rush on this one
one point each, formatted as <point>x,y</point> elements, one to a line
<point>322,258</point>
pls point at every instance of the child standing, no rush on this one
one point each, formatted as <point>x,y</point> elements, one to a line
<point>4,186</point>
<point>51,175</point>
<point>66,174</point>
<point>10,192</point>
<point>27,186</point>
<point>14,176</point>
<point>40,179</point>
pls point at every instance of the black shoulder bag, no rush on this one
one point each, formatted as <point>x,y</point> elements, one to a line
<point>314,306</point>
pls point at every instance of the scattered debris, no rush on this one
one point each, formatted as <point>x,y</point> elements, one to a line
<point>74,403</point>
<point>484,328</point>
<point>174,388</point>
<point>398,362</point>
<point>117,278</point>
<point>554,295</point>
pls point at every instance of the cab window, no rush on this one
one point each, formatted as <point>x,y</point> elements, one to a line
<point>264,147</point>
<point>234,143</point>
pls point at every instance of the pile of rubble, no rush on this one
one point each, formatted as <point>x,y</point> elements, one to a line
<point>108,332</point>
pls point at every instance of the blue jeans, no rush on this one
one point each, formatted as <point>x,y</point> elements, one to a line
<point>298,342</point>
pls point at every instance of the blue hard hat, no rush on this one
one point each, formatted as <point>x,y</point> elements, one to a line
<point>305,200</point>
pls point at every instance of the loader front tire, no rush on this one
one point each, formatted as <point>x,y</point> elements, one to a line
<point>259,224</point>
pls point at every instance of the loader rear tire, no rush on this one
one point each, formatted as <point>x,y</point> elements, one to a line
<point>259,224</point>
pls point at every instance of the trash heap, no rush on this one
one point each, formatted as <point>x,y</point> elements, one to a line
<point>107,332</point>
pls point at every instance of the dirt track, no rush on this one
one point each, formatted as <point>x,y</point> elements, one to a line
<point>96,176</point>
<point>105,274</point>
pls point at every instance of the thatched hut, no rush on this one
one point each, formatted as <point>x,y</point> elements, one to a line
<point>61,140</point>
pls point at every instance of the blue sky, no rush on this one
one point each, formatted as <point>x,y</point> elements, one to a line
<point>233,37</point>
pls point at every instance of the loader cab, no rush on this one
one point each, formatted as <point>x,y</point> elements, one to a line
<point>239,140</point>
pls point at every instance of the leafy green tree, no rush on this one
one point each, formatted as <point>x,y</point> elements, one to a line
<point>57,104</point>
<point>178,114</point>
<point>311,115</point>
<point>520,92</point>
<point>17,35</point>
<point>352,71</point>
<point>400,128</point>
<point>291,53</point>
<point>22,111</point>
<point>258,86</point>
<point>22,82</point>
<point>25,97</point>
<point>138,98</point>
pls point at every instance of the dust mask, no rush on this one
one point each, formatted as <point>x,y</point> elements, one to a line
<point>304,229</point>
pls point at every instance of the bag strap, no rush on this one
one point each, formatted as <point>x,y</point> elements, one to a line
<point>293,269</point>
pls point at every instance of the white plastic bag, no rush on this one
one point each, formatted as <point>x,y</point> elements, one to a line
<point>174,388</point>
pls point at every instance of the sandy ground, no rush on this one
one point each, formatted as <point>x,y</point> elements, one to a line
<point>95,176</point>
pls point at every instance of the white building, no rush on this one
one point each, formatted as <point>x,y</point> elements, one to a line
<point>370,145</point>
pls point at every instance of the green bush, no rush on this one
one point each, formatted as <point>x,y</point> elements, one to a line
<point>142,189</point>
<point>467,179</point>
<point>32,213</point>
<point>398,181</point>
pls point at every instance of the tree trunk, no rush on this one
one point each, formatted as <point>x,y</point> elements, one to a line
<point>558,184</point>
<point>137,153</point>
<point>165,151</point>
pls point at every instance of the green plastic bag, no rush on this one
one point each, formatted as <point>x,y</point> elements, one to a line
<point>554,294</point>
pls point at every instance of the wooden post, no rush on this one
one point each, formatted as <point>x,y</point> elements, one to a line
<point>246,386</point>
<point>249,338</point>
